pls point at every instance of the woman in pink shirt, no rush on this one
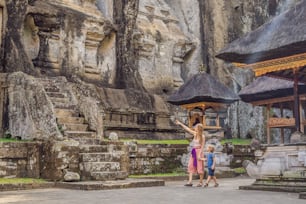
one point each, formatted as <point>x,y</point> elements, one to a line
<point>195,165</point>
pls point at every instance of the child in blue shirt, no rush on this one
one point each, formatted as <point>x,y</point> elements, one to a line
<point>211,164</point>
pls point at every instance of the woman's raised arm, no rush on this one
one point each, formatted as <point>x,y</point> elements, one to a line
<point>187,129</point>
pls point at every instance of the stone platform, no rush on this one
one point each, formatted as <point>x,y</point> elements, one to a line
<point>86,185</point>
<point>294,185</point>
<point>290,185</point>
<point>107,185</point>
<point>302,195</point>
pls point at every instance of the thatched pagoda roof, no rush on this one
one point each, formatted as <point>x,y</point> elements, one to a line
<point>284,34</point>
<point>202,88</point>
<point>264,88</point>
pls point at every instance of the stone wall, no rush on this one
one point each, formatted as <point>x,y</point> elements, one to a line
<point>241,153</point>
<point>20,159</point>
<point>58,158</point>
<point>147,159</point>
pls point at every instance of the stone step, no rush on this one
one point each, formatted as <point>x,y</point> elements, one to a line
<point>74,120</point>
<point>80,135</point>
<point>88,141</point>
<point>294,182</point>
<point>292,189</point>
<point>302,195</point>
<point>106,176</point>
<point>99,166</point>
<point>93,148</point>
<point>53,89</point>
<point>60,113</point>
<point>75,127</point>
<point>59,100</point>
<point>59,105</point>
<point>101,157</point>
<point>56,95</point>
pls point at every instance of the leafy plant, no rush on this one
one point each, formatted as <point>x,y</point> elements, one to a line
<point>240,170</point>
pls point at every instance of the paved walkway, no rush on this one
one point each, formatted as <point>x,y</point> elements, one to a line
<point>173,192</point>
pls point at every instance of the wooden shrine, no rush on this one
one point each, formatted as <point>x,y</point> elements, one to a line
<point>281,54</point>
<point>206,101</point>
<point>276,94</point>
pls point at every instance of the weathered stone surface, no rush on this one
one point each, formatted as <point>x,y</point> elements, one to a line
<point>138,46</point>
<point>286,161</point>
<point>297,137</point>
<point>58,157</point>
<point>20,159</point>
<point>113,136</point>
<point>30,112</point>
<point>71,176</point>
<point>146,159</point>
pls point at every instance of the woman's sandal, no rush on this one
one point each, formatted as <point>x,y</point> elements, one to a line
<point>188,184</point>
<point>205,185</point>
<point>200,185</point>
<point>216,184</point>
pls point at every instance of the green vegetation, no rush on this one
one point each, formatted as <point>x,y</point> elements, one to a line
<point>240,170</point>
<point>12,140</point>
<point>237,141</point>
<point>158,141</point>
<point>158,175</point>
<point>234,141</point>
<point>20,180</point>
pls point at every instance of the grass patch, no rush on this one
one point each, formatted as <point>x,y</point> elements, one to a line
<point>158,141</point>
<point>237,141</point>
<point>20,180</point>
<point>240,170</point>
<point>158,175</point>
<point>12,140</point>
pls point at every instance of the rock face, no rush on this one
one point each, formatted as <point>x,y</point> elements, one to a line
<point>124,57</point>
<point>30,112</point>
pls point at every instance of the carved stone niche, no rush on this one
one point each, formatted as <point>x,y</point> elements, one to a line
<point>49,51</point>
<point>92,43</point>
<point>180,50</point>
<point>30,37</point>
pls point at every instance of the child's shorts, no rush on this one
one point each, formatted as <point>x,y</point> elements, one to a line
<point>211,172</point>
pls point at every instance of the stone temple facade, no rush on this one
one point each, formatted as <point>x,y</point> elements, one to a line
<point>73,71</point>
<point>113,63</point>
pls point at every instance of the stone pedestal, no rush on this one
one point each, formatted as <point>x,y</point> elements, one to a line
<point>279,168</point>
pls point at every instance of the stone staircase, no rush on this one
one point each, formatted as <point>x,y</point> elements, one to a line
<point>99,160</point>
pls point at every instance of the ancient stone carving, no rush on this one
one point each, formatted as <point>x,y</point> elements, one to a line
<point>161,46</point>
<point>30,37</point>
<point>278,161</point>
<point>30,111</point>
<point>93,114</point>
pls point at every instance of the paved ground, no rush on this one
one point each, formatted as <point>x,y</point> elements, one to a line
<point>173,192</point>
